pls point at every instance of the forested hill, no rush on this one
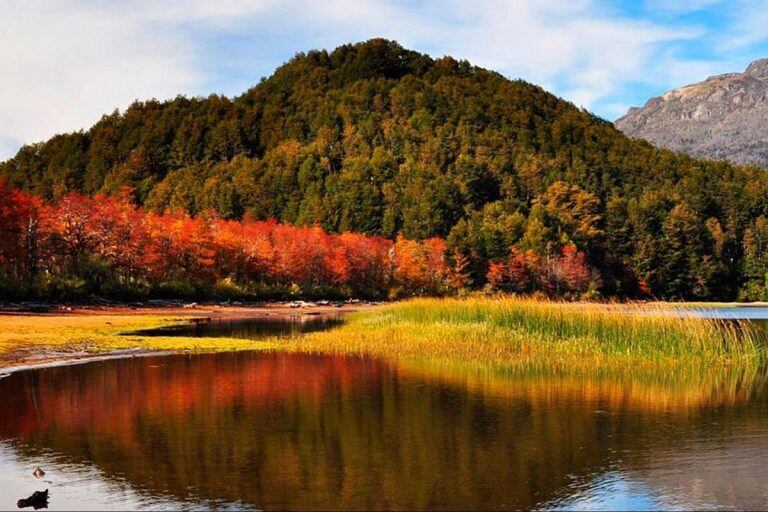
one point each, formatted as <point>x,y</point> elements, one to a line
<point>378,139</point>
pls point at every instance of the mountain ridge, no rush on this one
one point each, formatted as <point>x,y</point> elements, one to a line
<point>719,118</point>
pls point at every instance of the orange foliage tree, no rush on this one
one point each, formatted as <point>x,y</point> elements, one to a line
<point>20,215</point>
<point>108,246</point>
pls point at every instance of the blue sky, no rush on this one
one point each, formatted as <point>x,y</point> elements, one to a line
<point>63,63</point>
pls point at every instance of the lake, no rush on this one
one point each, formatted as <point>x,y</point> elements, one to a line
<point>272,430</point>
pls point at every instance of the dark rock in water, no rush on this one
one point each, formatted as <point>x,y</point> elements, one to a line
<point>38,500</point>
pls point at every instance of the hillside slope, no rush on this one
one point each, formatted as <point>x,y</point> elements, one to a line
<point>378,139</point>
<point>721,118</point>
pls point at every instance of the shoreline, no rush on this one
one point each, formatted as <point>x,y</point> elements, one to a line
<point>88,333</point>
<point>183,308</point>
<point>51,360</point>
<point>36,355</point>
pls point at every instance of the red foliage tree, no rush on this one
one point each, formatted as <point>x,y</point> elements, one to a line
<point>519,270</point>
<point>497,275</point>
<point>20,216</point>
<point>103,238</point>
<point>573,270</point>
<point>420,266</point>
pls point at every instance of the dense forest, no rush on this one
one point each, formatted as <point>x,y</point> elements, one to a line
<point>385,142</point>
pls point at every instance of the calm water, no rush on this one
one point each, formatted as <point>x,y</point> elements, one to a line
<point>251,328</point>
<point>255,430</point>
<point>738,312</point>
<point>755,314</point>
<point>292,431</point>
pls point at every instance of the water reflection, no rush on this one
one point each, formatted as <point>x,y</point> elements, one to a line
<point>295,431</point>
<point>250,328</point>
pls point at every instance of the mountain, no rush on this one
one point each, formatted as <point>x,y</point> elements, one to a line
<point>379,139</point>
<point>721,118</point>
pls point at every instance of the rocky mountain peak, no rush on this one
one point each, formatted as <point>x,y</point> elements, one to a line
<point>758,69</point>
<point>721,118</point>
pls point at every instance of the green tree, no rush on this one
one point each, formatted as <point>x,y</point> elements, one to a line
<point>756,260</point>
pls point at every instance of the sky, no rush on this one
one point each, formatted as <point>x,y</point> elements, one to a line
<point>64,63</point>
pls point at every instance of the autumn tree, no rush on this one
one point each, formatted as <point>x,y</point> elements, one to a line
<point>20,216</point>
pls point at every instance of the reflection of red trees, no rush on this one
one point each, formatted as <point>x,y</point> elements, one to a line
<point>116,397</point>
<point>100,238</point>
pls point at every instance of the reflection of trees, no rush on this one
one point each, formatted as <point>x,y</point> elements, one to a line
<point>299,431</point>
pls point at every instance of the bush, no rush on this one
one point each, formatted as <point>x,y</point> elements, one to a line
<point>227,289</point>
<point>11,289</point>
<point>130,290</point>
<point>175,289</point>
<point>62,287</point>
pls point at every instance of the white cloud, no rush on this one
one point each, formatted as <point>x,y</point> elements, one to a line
<point>582,50</point>
<point>63,63</point>
<point>589,52</point>
<point>748,22</point>
<point>677,7</point>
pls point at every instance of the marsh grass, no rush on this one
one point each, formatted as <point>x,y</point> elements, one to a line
<point>510,332</point>
<point>538,333</point>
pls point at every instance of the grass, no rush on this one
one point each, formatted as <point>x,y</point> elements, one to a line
<point>505,331</point>
<point>534,333</point>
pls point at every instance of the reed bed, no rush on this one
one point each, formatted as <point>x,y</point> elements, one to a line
<point>532,332</point>
<point>510,332</point>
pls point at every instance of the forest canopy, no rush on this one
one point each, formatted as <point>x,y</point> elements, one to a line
<point>382,141</point>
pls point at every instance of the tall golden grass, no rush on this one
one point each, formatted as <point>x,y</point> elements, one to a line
<point>525,331</point>
<point>514,332</point>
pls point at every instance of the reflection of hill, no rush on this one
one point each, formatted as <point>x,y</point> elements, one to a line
<point>299,431</point>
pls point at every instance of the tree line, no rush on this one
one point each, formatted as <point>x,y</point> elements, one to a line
<point>103,246</point>
<point>80,247</point>
<point>382,141</point>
